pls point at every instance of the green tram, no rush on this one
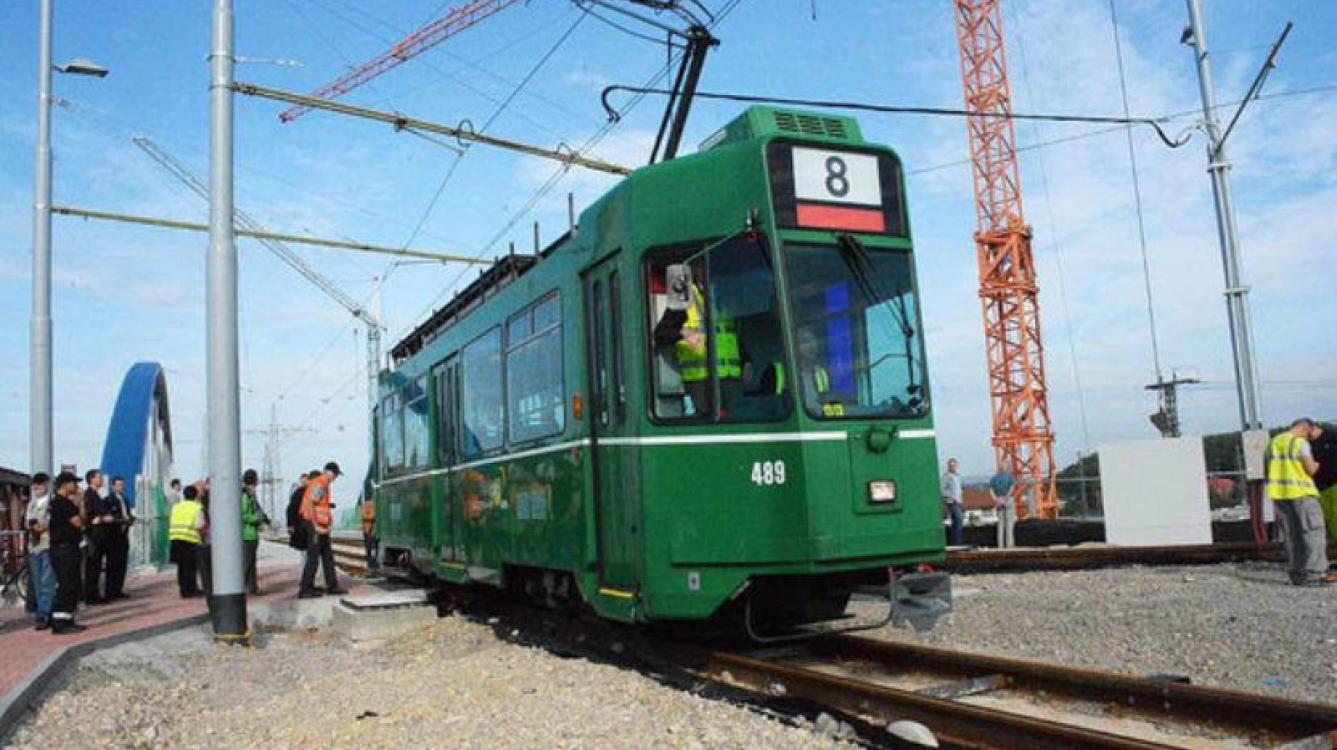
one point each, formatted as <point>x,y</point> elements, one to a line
<point>707,401</point>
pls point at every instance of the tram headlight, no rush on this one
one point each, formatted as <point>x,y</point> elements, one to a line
<point>882,491</point>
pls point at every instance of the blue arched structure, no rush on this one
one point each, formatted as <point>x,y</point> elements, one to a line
<point>139,448</point>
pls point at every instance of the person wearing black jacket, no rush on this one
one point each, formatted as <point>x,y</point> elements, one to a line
<point>297,535</point>
<point>66,528</point>
<point>95,553</point>
<point>1323,443</point>
<point>116,535</point>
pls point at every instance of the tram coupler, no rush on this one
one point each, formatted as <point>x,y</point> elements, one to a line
<point>919,599</point>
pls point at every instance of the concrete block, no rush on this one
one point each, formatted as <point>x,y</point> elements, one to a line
<point>292,614</point>
<point>375,618</point>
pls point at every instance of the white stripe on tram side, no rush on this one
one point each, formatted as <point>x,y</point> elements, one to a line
<point>656,440</point>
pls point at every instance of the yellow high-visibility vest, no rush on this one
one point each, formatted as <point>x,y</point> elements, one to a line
<point>820,379</point>
<point>181,524</point>
<point>1286,475</point>
<point>692,364</point>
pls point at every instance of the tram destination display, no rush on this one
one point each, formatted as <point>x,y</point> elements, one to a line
<point>835,189</point>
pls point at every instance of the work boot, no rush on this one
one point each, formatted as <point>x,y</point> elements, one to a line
<point>312,594</point>
<point>66,627</point>
<point>335,591</point>
<point>42,624</point>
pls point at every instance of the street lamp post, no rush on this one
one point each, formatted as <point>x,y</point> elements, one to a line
<point>41,453</point>
<point>228,599</point>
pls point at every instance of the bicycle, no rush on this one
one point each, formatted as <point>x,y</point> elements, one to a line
<point>14,583</point>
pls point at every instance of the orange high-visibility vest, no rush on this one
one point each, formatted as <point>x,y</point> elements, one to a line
<point>316,502</point>
<point>368,517</point>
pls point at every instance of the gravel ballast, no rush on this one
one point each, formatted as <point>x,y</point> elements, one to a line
<point>1233,625</point>
<point>452,683</point>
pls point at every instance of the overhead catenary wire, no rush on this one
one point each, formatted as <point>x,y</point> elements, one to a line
<point>450,173</point>
<point>1056,248</point>
<point>542,191</point>
<point>1137,196</point>
<point>1309,91</point>
<point>1154,123</point>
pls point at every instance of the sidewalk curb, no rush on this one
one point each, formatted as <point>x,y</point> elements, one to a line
<point>23,697</point>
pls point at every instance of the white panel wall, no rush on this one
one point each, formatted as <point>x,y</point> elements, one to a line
<point>1155,492</point>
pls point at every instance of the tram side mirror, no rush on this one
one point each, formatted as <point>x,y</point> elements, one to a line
<point>677,279</point>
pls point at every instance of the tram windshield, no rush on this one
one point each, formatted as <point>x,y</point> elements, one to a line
<point>715,332</point>
<point>856,337</point>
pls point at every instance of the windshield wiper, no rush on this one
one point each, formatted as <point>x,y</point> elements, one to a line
<point>859,262</point>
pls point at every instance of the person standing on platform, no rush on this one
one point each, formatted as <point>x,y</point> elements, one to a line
<point>950,491</point>
<point>1000,489</point>
<point>37,518</point>
<point>316,514</point>
<point>203,554</point>
<point>252,518</point>
<point>67,524</point>
<point>184,533</point>
<point>1290,484</point>
<point>1323,443</point>
<point>296,528</point>
<point>95,536</point>
<point>370,542</point>
<point>117,534</point>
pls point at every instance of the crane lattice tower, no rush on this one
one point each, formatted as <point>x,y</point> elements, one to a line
<point>1022,439</point>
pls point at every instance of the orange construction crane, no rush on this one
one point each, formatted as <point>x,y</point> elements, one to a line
<point>457,19</point>
<point>1022,439</point>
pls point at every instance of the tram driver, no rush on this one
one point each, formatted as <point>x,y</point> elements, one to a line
<point>682,326</point>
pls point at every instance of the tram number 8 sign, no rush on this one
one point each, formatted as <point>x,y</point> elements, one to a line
<point>818,188</point>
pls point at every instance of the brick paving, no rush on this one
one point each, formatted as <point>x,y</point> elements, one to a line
<point>153,601</point>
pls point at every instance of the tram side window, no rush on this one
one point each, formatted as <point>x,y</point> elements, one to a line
<point>535,394</point>
<point>417,445</point>
<point>392,435</point>
<point>480,395</point>
<point>718,352</point>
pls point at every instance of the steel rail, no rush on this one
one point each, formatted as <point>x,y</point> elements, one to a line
<point>1074,558</point>
<point>954,724</point>
<point>1156,699</point>
<point>1276,722</point>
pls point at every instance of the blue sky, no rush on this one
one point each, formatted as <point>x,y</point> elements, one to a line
<point>124,293</point>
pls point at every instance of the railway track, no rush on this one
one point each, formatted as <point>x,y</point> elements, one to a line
<point>983,702</point>
<point>966,700</point>
<point>349,554</point>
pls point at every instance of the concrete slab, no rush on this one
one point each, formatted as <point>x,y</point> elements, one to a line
<point>388,599</point>
<point>375,618</point>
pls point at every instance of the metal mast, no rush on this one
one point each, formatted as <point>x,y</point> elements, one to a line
<point>287,255</point>
<point>1237,294</point>
<point>453,22</point>
<point>40,388</point>
<point>227,602</point>
<point>1022,439</point>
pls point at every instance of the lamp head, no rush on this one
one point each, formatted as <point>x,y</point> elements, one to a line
<point>82,66</point>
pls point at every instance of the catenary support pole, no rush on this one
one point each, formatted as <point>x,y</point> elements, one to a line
<point>40,358</point>
<point>1237,294</point>
<point>228,601</point>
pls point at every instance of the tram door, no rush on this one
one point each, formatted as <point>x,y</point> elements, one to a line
<point>617,512</point>
<point>447,400</point>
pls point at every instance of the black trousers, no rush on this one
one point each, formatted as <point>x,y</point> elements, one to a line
<point>205,561</point>
<point>318,553</point>
<point>251,548</point>
<point>95,555</point>
<point>187,567</point>
<point>65,560</point>
<point>118,557</point>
